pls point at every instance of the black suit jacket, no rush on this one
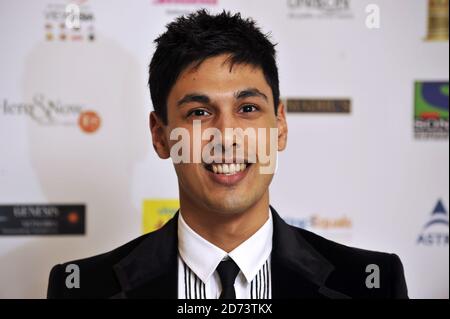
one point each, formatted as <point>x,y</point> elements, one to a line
<point>304,265</point>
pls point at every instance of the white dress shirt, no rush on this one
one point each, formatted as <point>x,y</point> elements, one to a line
<point>198,260</point>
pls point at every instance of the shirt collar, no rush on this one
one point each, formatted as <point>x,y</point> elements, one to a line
<point>203,257</point>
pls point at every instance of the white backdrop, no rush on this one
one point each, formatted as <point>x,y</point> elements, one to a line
<point>365,167</point>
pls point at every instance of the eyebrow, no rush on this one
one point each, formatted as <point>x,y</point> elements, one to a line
<point>204,99</point>
<point>194,97</point>
<point>250,92</point>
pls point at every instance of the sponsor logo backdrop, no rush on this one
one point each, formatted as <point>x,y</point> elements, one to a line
<point>367,162</point>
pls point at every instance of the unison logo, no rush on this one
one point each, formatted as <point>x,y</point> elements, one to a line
<point>435,231</point>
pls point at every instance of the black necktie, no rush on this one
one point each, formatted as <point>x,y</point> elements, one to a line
<point>228,270</point>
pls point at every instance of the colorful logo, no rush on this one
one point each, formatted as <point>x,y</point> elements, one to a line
<point>156,212</point>
<point>53,112</point>
<point>89,121</point>
<point>337,228</point>
<point>431,109</point>
<point>72,21</point>
<point>317,222</point>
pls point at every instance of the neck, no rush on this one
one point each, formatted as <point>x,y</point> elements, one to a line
<point>226,231</point>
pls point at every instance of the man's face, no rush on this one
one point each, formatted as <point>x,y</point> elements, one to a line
<point>221,98</point>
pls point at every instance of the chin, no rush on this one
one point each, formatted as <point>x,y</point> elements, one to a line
<point>229,205</point>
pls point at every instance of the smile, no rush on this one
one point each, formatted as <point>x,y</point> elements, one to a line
<point>227,169</point>
<point>227,174</point>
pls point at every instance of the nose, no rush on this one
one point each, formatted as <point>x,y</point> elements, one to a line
<point>226,123</point>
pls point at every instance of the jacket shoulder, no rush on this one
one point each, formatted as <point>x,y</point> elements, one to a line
<point>96,277</point>
<point>336,252</point>
<point>360,272</point>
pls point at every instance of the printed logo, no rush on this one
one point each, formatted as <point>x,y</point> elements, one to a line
<point>72,21</point>
<point>337,228</point>
<point>318,105</point>
<point>53,112</point>
<point>431,110</point>
<point>182,7</point>
<point>319,9</point>
<point>435,231</point>
<point>156,212</point>
<point>437,20</point>
<point>89,121</point>
<point>42,219</point>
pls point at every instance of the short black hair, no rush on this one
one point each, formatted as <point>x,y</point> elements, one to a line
<point>201,35</point>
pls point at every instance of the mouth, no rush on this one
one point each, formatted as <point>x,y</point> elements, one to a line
<point>227,169</point>
<point>228,174</point>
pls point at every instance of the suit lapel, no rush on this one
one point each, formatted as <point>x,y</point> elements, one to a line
<point>151,269</point>
<point>298,270</point>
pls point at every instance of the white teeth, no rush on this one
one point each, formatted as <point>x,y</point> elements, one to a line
<point>228,169</point>
<point>225,169</point>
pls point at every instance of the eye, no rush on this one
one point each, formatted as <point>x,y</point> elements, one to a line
<point>198,113</point>
<point>248,108</point>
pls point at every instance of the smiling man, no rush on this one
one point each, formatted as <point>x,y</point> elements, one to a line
<point>214,83</point>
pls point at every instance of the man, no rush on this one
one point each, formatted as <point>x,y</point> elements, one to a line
<point>209,74</point>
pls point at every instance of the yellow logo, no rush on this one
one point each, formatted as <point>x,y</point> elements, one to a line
<point>437,20</point>
<point>156,212</point>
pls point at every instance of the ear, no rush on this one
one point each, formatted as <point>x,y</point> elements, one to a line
<point>282,127</point>
<point>157,128</point>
